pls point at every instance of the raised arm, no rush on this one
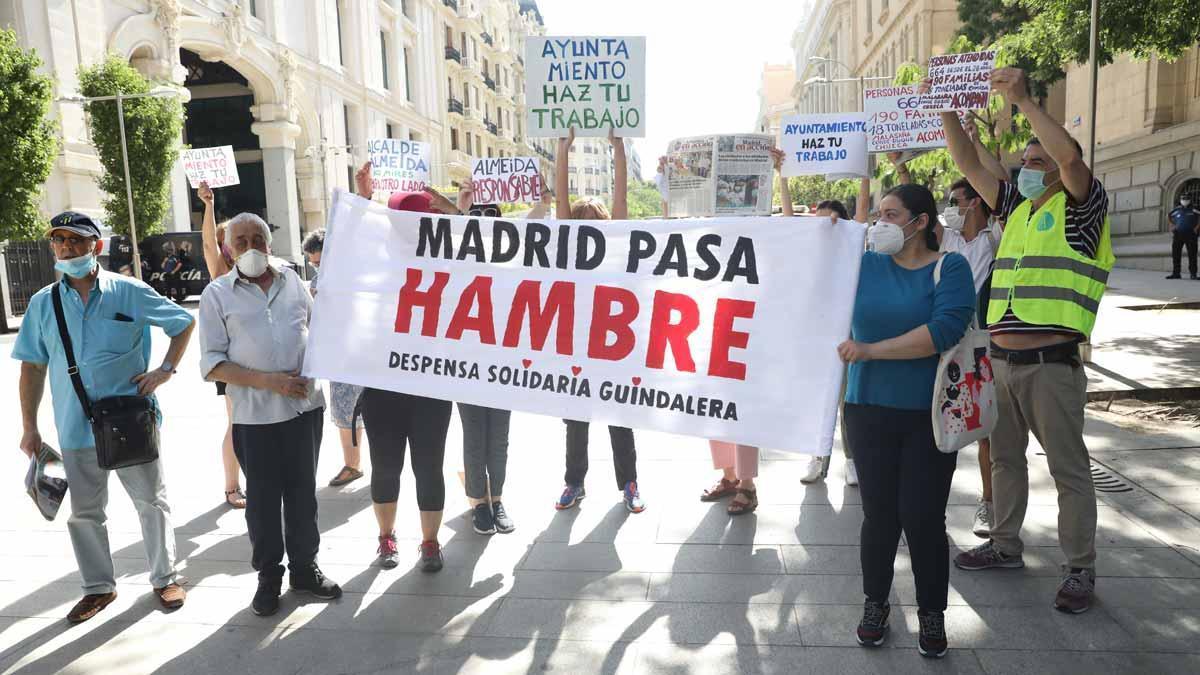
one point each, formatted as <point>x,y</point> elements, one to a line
<point>562,198</point>
<point>1074,172</point>
<point>213,260</point>
<point>986,157</point>
<point>362,181</point>
<point>862,207</point>
<point>785,191</point>
<point>902,173</point>
<point>962,151</point>
<point>620,210</point>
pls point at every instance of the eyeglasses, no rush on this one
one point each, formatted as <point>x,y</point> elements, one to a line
<point>489,212</point>
<point>59,240</point>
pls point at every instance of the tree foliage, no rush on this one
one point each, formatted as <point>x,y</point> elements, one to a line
<point>153,126</point>
<point>28,142</point>
<point>643,200</point>
<point>811,190</point>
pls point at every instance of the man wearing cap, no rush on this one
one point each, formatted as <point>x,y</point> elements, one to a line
<point>108,319</point>
<point>253,333</point>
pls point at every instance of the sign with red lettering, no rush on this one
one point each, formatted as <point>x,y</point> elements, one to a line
<point>506,180</point>
<point>589,84</point>
<point>895,120</point>
<point>959,81</point>
<point>721,328</point>
<point>215,166</point>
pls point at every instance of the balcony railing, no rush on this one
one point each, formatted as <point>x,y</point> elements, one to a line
<point>452,53</point>
<point>452,4</point>
<point>487,38</point>
<point>455,106</point>
<point>491,127</point>
<point>489,83</point>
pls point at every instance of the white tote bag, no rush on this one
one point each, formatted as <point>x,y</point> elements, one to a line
<point>964,393</point>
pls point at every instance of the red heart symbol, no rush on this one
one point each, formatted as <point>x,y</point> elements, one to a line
<point>576,370</point>
<point>637,380</point>
<point>526,362</point>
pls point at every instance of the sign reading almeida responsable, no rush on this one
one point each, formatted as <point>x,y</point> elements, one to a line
<point>592,84</point>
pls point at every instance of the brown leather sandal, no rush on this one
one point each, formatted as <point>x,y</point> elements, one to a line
<point>737,508</point>
<point>722,489</point>
<point>236,498</point>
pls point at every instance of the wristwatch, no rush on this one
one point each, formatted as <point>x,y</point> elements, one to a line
<point>167,367</point>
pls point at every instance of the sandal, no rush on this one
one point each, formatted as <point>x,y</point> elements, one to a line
<point>236,498</point>
<point>737,508</point>
<point>720,490</point>
<point>346,476</point>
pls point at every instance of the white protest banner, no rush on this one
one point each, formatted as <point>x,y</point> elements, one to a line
<point>829,144</point>
<point>896,122</point>
<point>959,81</point>
<point>740,184</point>
<point>511,180</point>
<point>215,166</point>
<point>722,328</point>
<point>398,166</point>
<point>590,83</point>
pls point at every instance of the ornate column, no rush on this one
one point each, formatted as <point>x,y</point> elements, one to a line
<point>167,68</point>
<point>277,137</point>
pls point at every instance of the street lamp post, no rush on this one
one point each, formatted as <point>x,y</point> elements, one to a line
<point>825,80</point>
<point>157,92</point>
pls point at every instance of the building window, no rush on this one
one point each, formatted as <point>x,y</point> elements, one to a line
<point>478,146</point>
<point>454,139</point>
<point>407,77</point>
<point>390,130</point>
<point>383,54</point>
<point>467,145</point>
<point>337,8</point>
<point>253,6</point>
<point>346,124</point>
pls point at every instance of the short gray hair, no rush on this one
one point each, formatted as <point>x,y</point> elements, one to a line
<point>253,218</point>
<point>314,242</point>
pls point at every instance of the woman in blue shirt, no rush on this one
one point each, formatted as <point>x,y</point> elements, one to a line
<point>901,323</point>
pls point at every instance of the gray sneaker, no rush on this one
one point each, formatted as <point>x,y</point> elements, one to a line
<point>985,556</point>
<point>1076,591</point>
<point>983,520</point>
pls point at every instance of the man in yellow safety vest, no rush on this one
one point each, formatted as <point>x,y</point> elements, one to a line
<point>1050,273</point>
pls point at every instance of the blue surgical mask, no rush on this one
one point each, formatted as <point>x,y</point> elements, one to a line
<point>1030,183</point>
<point>77,268</point>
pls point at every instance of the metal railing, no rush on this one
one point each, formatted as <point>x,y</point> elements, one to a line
<point>30,267</point>
<point>452,53</point>
<point>452,4</point>
<point>454,105</point>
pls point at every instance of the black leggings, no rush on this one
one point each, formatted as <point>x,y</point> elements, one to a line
<point>905,484</point>
<point>394,420</point>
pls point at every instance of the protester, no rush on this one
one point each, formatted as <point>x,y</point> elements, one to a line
<point>107,319</point>
<point>395,420</point>
<point>485,438</point>
<point>662,185</point>
<point>218,261</point>
<point>342,397</point>
<point>902,320</point>
<point>1046,289</point>
<point>624,452</point>
<point>966,229</point>
<point>1185,230</point>
<point>254,332</point>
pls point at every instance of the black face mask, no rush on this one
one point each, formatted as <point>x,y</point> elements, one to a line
<point>485,210</point>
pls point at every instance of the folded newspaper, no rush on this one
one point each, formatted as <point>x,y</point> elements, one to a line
<point>730,175</point>
<point>46,482</point>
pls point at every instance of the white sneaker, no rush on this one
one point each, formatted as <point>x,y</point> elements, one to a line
<point>983,520</point>
<point>817,469</point>
<point>851,473</point>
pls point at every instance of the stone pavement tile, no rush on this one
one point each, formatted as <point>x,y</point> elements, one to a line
<point>654,558</point>
<point>1013,662</point>
<point>1157,468</point>
<point>1013,588</point>
<point>1161,629</point>
<point>809,589</point>
<point>1111,562</point>
<point>572,585</point>
<point>810,559</point>
<point>664,622</point>
<point>1179,496</point>
<point>972,627</point>
<point>721,659</point>
<point>595,521</point>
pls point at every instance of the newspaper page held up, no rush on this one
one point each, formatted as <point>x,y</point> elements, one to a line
<point>720,175</point>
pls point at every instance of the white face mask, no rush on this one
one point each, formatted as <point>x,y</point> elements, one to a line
<point>887,238</point>
<point>1185,202</point>
<point>252,263</point>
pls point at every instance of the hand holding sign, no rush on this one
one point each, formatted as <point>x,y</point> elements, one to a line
<point>205,194</point>
<point>959,81</point>
<point>1010,83</point>
<point>215,166</point>
<point>825,144</point>
<point>362,181</point>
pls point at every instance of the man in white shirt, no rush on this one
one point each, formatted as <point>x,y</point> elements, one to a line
<point>966,229</point>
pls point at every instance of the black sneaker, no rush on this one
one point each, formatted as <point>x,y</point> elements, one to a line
<point>873,629</point>
<point>313,581</point>
<point>266,598</point>
<point>1172,276</point>
<point>482,520</point>
<point>431,556</point>
<point>932,641</point>
<point>504,524</point>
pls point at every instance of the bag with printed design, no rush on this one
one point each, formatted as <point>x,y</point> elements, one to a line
<point>964,393</point>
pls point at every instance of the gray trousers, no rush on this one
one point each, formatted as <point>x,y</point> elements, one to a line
<point>88,488</point>
<point>1048,400</point>
<point>485,449</point>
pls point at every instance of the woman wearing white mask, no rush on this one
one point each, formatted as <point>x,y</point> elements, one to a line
<point>902,320</point>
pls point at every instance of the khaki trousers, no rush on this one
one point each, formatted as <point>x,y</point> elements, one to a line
<point>1047,399</point>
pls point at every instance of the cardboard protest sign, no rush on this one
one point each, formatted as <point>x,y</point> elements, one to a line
<point>959,81</point>
<point>829,144</point>
<point>215,166</point>
<point>722,328</point>
<point>741,183</point>
<point>506,180</point>
<point>398,166</point>
<point>590,83</point>
<point>895,120</point>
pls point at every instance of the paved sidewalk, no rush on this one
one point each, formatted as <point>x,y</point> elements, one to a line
<point>681,588</point>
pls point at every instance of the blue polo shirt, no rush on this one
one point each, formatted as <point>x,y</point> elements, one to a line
<point>1185,218</point>
<point>109,350</point>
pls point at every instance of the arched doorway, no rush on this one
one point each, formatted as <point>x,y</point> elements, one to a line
<point>1190,188</point>
<point>219,113</point>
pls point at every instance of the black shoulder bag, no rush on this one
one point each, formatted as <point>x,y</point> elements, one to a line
<point>125,427</point>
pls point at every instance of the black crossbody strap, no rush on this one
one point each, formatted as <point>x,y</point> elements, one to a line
<point>72,369</point>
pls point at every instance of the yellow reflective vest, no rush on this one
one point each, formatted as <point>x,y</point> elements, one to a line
<point>1043,279</point>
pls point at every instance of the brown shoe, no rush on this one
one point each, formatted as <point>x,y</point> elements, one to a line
<point>722,489</point>
<point>346,476</point>
<point>90,606</point>
<point>171,596</point>
<point>739,507</point>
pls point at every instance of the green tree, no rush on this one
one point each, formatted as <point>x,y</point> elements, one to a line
<point>988,22</point>
<point>28,142</point>
<point>811,190</point>
<point>153,126</point>
<point>643,200</point>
